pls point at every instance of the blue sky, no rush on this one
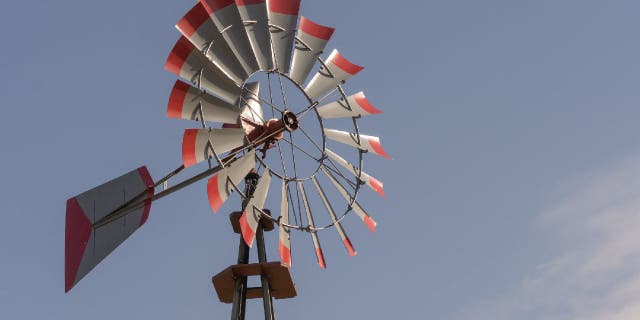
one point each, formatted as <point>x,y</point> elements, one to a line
<point>513,192</point>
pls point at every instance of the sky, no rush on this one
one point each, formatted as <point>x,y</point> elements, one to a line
<point>513,191</point>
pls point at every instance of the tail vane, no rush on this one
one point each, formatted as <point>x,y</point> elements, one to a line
<point>86,245</point>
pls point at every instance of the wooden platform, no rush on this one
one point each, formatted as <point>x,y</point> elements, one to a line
<point>280,281</point>
<point>234,218</point>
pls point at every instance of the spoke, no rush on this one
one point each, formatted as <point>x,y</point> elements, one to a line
<point>273,115</point>
<point>336,171</point>
<point>292,206</point>
<point>253,112</point>
<point>262,100</point>
<point>293,145</point>
<point>315,104</point>
<point>295,174</point>
<point>309,137</point>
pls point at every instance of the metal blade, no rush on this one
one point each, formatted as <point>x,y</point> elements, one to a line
<point>250,105</point>
<point>284,236</point>
<point>254,16</point>
<point>87,245</point>
<point>187,62</point>
<point>205,35</point>
<point>220,185</point>
<point>202,144</point>
<point>362,142</point>
<point>226,17</point>
<point>186,102</point>
<point>334,219</point>
<point>354,106</point>
<point>314,235</point>
<point>250,218</point>
<point>283,18</point>
<point>371,224</point>
<point>311,40</point>
<point>372,182</point>
<point>336,70</point>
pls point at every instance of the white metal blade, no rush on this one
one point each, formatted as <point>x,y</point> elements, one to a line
<point>336,69</point>
<point>372,182</point>
<point>203,33</point>
<point>219,186</point>
<point>199,144</point>
<point>283,18</point>
<point>225,15</point>
<point>284,236</point>
<point>185,102</point>
<point>250,218</point>
<point>314,235</point>
<point>368,221</point>
<point>254,15</point>
<point>187,62</point>
<point>362,142</point>
<point>311,40</point>
<point>334,219</point>
<point>354,106</point>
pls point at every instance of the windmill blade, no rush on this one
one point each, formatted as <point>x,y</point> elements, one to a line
<point>254,16</point>
<point>284,236</point>
<point>283,17</point>
<point>226,17</point>
<point>362,142</point>
<point>335,71</point>
<point>314,235</point>
<point>187,62</point>
<point>86,245</point>
<point>250,107</point>
<point>187,102</point>
<point>368,221</point>
<point>250,218</point>
<point>370,181</point>
<point>334,219</point>
<point>311,40</point>
<point>203,33</point>
<point>202,144</point>
<point>355,105</point>
<point>220,185</point>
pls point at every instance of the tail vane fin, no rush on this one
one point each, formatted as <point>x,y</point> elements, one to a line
<point>87,245</point>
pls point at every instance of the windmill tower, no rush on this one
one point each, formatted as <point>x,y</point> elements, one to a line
<point>264,125</point>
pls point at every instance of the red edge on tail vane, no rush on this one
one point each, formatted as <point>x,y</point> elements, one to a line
<point>189,147</point>
<point>285,254</point>
<point>247,234</point>
<point>179,55</point>
<point>148,181</point>
<point>290,7</point>
<point>215,201</point>
<point>349,246</point>
<point>176,100</point>
<point>376,185</point>
<point>313,29</point>
<point>77,233</point>
<point>362,101</point>
<point>377,148</point>
<point>214,5</point>
<point>192,21</point>
<point>248,2</point>
<point>345,64</point>
<point>371,224</point>
<point>321,262</point>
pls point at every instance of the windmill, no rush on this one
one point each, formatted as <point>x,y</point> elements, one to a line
<point>247,142</point>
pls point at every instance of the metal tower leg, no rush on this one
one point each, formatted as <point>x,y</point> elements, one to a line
<point>267,300</point>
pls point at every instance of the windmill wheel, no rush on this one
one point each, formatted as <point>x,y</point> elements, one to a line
<point>247,69</point>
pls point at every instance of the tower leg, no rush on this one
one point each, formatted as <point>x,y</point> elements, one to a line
<point>267,300</point>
